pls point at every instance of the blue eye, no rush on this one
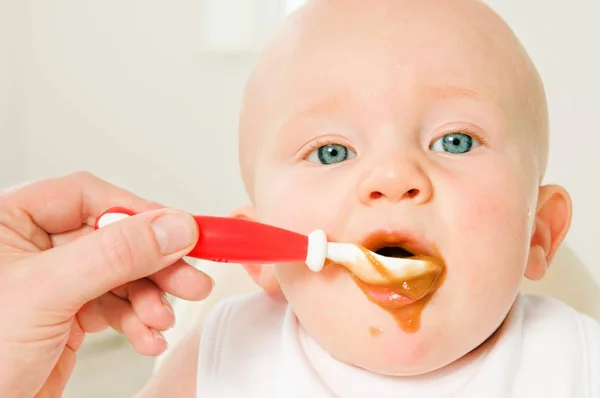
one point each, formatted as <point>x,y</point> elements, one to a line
<point>455,143</point>
<point>330,154</point>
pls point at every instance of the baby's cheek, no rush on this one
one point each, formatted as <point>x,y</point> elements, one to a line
<point>488,224</point>
<point>492,208</point>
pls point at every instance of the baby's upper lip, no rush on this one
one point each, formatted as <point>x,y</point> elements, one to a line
<point>409,241</point>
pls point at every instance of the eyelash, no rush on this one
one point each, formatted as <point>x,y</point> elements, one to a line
<point>318,143</point>
<point>463,130</point>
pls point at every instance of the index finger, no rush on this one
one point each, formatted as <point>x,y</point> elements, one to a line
<point>65,203</point>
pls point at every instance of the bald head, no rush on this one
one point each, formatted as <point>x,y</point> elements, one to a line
<point>384,52</point>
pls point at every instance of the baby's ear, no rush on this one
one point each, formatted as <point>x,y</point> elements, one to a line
<point>552,222</point>
<point>262,274</point>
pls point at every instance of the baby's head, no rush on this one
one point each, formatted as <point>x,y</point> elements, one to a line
<point>413,122</point>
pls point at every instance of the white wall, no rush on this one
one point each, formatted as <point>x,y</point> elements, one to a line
<point>10,172</point>
<point>122,89</point>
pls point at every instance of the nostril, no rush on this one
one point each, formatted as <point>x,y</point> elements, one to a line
<point>412,193</point>
<point>376,195</point>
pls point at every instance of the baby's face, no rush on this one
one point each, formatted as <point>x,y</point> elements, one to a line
<point>414,133</point>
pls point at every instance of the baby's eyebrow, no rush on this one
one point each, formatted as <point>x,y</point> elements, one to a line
<point>342,100</point>
<point>323,105</point>
<point>454,91</point>
<point>451,92</point>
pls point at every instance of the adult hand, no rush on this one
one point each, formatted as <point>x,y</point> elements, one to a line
<point>60,279</point>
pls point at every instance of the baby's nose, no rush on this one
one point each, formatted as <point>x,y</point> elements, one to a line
<point>395,181</point>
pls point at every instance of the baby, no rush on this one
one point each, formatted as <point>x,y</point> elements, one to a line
<point>419,124</point>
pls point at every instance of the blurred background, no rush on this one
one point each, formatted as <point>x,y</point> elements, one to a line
<point>145,94</point>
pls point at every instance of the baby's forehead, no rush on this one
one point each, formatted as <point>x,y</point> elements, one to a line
<point>310,62</point>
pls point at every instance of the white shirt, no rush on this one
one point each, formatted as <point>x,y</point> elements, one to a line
<point>253,346</point>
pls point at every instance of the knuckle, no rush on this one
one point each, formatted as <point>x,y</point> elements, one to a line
<point>4,194</point>
<point>17,229</point>
<point>83,176</point>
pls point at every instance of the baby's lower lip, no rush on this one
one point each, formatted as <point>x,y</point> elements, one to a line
<point>385,296</point>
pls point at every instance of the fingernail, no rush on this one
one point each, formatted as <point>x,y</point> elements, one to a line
<point>174,232</point>
<point>166,303</point>
<point>168,307</point>
<point>158,335</point>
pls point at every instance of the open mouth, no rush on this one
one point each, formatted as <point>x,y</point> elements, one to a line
<point>394,251</point>
<point>396,245</point>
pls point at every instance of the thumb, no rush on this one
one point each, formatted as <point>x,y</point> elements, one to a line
<point>71,275</point>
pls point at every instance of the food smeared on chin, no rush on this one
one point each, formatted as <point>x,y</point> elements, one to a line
<point>375,330</point>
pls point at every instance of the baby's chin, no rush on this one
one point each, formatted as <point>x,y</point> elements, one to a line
<point>354,329</point>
